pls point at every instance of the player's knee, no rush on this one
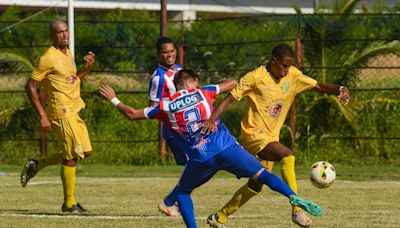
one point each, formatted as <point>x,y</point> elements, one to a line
<point>287,154</point>
<point>87,153</point>
<point>254,185</point>
<point>69,163</point>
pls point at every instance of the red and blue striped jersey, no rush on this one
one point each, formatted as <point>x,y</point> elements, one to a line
<point>162,82</point>
<point>185,112</point>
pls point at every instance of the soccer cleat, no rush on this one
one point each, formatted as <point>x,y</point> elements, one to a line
<point>28,172</point>
<point>212,220</point>
<point>170,211</point>
<point>76,207</point>
<point>301,219</point>
<point>307,205</point>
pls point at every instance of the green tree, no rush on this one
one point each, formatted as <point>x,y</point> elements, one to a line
<point>336,48</point>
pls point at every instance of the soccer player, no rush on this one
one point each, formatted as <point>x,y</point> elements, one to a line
<point>185,112</point>
<point>269,90</point>
<point>161,86</point>
<point>57,73</point>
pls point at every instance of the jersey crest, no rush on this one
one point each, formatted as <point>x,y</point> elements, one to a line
<point>275,110</point>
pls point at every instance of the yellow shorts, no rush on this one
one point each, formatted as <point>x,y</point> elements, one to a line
<point>72,137</point>
<point>254,146</point>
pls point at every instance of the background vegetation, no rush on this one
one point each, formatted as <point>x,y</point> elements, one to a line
<point>346,49</point>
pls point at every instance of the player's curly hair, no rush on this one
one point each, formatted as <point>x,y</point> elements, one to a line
<point>183,75</point>
<point>281,51</point>
<point>161,41</point>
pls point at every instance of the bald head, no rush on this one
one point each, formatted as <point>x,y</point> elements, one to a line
<point>59,34</point>
<point>53,24</point>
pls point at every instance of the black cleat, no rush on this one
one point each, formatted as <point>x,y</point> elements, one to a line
<point>76,207</point>
<point>28,172</point>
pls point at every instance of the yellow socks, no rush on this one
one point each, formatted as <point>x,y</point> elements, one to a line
<point>241,197</point>
<point>68,181</point>
<point>289,176</point>
<point>54,159</point>
<point>268,165</point>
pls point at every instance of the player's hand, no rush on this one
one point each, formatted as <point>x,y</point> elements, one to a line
<point>107,92</point>
<point>89,59</point>
<point>209,126</point>
<point>45,125</point>
<point>344,95</point>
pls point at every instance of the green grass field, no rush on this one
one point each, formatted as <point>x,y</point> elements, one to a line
<point>365,196</point>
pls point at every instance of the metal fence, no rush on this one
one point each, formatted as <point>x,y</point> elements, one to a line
<point>355,50</point>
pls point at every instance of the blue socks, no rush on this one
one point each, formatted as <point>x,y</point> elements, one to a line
<point>275,183</point>
<point>186,207</point>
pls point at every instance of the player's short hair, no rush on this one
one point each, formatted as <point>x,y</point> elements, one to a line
<point>160,42</point>
<point>281,51</point>
<point>183,75</point>
<point>52,24</point>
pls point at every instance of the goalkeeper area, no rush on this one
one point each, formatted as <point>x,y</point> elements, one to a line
<point>128,196</point>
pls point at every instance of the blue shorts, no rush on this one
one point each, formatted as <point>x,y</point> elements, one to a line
<point>177,145</point>
<point>235,159</point>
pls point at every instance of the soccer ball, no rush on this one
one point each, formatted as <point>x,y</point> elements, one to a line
<point>322,174</point>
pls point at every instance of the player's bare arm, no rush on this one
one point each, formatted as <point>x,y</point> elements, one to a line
<point>209,125</point>
<point>30,88</point>
<point>129,112</point>
<point>227,85</point>
<point>90,58</point>
<point>343,91</point>
<point>224,86</point>
<point>42,134</point>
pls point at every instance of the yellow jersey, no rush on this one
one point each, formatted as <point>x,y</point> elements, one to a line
<point>268,101</point>
<point>57,73</point>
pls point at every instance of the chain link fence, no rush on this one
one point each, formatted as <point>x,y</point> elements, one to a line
<point>353,50</point>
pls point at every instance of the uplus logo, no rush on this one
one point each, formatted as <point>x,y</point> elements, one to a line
<point>186,101</point>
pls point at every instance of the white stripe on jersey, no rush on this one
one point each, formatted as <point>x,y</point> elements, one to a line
<point>172,120</point>
<point>170,84</point>
<point>154,88</point>
<point>207,107</point>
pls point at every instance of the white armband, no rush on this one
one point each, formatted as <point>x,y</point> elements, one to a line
<point>115,101</point>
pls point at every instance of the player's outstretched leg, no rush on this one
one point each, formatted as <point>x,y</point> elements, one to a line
<point>307,205</point>
<point>276,184</point>
<point>28,172</point>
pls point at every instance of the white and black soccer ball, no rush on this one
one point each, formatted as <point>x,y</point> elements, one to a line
<point>322,174</point>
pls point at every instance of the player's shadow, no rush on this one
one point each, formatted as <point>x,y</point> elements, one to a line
<point>39,214</point>
<point>13,211</point>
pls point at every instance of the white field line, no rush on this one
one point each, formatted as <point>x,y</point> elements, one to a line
<point>83,180</point>
<point>109,217</point>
